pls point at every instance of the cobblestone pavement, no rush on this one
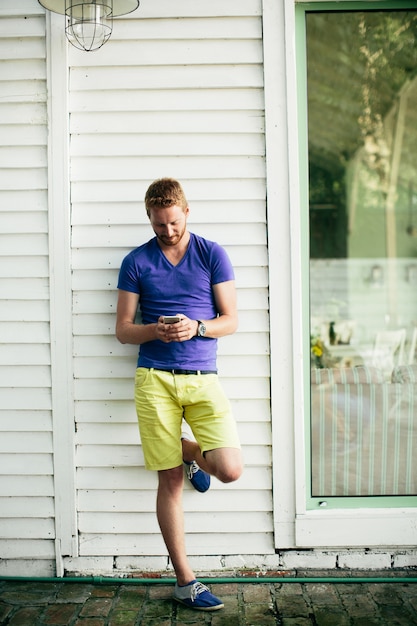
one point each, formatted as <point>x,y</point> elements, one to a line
<point>246,604</point>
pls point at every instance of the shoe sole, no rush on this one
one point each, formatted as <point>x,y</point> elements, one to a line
<point>199,608</point>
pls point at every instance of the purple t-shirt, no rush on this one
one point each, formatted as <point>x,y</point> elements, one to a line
<point>166,289</point>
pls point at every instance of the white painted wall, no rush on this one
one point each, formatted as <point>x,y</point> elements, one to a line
<point>177,92</point>
<point>27,529</point>
<point>204,92</point>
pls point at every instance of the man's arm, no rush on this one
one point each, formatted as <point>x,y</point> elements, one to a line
<point>126,329</point>
<point>226,305</point>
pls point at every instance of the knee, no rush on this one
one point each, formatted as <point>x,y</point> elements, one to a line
<point>229,473</point>
<point>171,480</point>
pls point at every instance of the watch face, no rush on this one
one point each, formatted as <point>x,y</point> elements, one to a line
<point>201,329</point>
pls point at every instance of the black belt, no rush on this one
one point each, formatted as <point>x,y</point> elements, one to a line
<point>186,372</point>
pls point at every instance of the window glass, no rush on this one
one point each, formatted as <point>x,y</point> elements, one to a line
<point>362,141</point>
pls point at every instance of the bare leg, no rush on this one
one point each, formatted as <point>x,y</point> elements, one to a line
<point>171,521</point>
<point>223,463</point>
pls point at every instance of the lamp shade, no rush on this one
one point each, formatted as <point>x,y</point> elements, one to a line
<point>120,7</point>
<point>89,23</point>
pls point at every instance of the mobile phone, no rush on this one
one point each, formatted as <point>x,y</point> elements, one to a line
<point>171,319</point>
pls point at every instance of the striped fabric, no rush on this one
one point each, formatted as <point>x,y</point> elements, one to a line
<point>405,374</point>
<point>359,374</point>
<point>363,434</point>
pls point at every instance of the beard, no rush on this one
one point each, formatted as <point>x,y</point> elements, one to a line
<point>171,241</point>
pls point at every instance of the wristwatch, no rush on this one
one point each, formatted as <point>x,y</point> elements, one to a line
<point>201,328</point>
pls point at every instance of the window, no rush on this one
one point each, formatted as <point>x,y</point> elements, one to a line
<point>361,130</point>
<point>362,145</point>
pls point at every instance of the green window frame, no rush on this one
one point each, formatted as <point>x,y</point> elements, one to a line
<point>301,9</point>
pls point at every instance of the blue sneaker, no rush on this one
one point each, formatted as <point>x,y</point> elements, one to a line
<point>197,596</point>
<point>199,479</point>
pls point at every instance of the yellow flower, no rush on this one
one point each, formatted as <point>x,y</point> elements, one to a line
<point>316,350</point>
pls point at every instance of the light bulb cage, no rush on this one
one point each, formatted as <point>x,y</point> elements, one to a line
<point>89,23</point>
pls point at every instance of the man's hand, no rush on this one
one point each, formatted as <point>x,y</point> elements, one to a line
<point>184,330</point>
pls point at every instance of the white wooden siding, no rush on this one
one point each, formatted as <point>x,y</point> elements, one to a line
<point>176,97</point>
<point>27,527</point>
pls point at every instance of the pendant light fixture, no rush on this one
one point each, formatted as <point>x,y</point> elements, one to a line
<point>89,23</point>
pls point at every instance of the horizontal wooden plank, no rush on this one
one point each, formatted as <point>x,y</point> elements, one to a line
<point>194,65</point>
<point>25,421</point>
<point>26,178</point>
<point>99,169</point>
<point>123,411</point>
<point>23,135</point>
<point>22,199</point>
<point>138,501</point>
<point>143,62</point>
<point>30,26</point>
<point>245,343</point>
<point>23,332</point>
<point>22,157</point>
<point>22,91</point>
<point>24,310</point>
<point>29,507</point>
<point>249,255</point>
<point>210,144</point>
<point>219,96</point>
<point>103,324</point>
<point>26,485</point>
<point>27,528</point>
<point>22,222</point>
<point>109,456</point>
<point>98,302</point>
<point>199,523</point>
<point>18,442</point>
<point>26,245</point>
<point>204,74</point>
<point>26,464</point>
<point>25,398</point>
<point>16,113</point>
<point>25,375</point>
<point>35,549</point>
<point>28,288</point>
<point>26,49</point>
<point>23,354</point>
<point>143,121</point>
<point>210,544</point>
<point>226,27</point>
<point>9,8</point>
<point>24,267</point>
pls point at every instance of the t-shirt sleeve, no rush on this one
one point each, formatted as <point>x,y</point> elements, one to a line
<point>128,275</point>
<point>222,269</point>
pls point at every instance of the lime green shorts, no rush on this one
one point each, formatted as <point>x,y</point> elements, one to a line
<point>163,399</point>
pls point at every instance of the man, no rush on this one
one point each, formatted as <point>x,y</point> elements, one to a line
<point>181,275</point>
